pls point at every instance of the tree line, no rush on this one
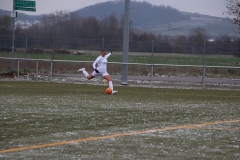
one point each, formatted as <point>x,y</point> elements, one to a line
<point>69,30</point>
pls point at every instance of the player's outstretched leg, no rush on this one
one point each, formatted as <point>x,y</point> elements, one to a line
<point>84,72</point>
<point>88,76</point>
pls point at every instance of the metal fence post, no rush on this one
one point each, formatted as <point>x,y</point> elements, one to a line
<point>204,74</point>
<point>152,63</point>
<point>203,64</point>
<point>51,69</point>
<point>18,68</point>
<point>26,50</point>
<point>37,71</point>
<point>52,65</point>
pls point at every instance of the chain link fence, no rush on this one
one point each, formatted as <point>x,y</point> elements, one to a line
<point>152,63</point>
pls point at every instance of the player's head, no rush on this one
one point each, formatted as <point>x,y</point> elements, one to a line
<point>103,52</point>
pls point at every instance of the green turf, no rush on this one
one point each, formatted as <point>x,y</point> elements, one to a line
<point>34,113</point>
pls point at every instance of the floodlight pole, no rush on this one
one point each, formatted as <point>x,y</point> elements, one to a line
<point>13,37</point>
<point>125,44</point>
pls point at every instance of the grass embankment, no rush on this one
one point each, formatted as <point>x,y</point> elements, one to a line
<point>157,58</point>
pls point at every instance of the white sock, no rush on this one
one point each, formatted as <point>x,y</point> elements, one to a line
<point>110,84</point>
<point>85,73</point>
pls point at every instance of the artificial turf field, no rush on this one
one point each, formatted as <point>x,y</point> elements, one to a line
<point>44,120</point>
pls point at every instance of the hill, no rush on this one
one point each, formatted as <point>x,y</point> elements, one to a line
<point>162,19</point>
<point>142,14</point>
<point>214,26</point>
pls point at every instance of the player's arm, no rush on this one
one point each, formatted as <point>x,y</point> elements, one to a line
<point>95,64</point>
<point>109,54</point>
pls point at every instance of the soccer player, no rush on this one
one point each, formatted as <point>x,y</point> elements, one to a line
<point>100,69</point>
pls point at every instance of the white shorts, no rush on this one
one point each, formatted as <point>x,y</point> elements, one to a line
<point>103,74</point>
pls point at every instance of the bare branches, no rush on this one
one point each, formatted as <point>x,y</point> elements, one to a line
<point>233,10</point>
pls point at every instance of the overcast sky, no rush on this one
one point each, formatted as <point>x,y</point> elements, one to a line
<point>208,7</point>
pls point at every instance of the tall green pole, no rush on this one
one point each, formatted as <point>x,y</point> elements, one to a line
<point>13,37</point>
<point>125,44</point>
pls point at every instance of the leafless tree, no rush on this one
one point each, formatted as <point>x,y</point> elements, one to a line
<point>233,10</point>
<point>196,37</point>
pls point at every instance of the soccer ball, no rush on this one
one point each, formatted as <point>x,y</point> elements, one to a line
<point>109,91</point>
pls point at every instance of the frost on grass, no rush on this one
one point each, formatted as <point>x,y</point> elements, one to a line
<point>78,113</point>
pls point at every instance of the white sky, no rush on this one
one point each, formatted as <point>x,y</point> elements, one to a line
<point>208,7</point>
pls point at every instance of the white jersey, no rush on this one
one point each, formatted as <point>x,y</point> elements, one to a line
<point>101,64</point>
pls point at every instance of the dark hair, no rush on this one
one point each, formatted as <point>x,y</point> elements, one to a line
<point>103,51</point>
